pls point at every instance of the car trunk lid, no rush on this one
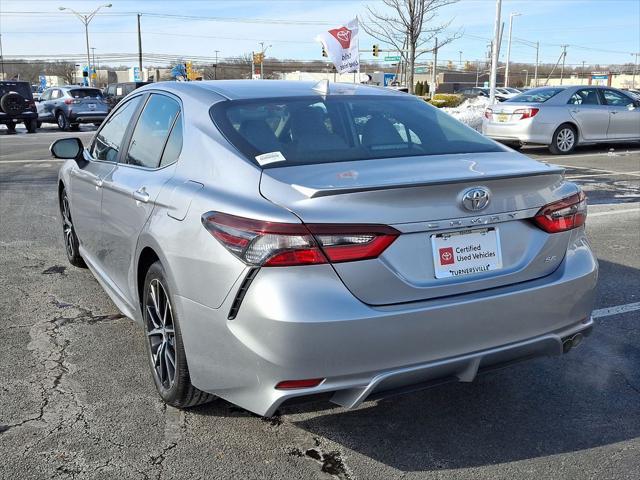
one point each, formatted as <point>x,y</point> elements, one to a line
<point>421,197</point>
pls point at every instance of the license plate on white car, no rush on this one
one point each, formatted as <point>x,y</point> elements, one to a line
<point>502,117</point>
<point>92,106</point>
<point>466,253</point>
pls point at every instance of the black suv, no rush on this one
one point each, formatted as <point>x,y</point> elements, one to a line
<point>17,105</point>
<point>117,91</point>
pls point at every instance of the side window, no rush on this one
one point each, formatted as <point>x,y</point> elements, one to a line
<point>127,89</point>
<point>174,144</point>
<point>617,99</point>
<point>55,94</point>
<point>109,139</point>
<point>111,90</point>
<point>46,95</point>
<point>587,96</point>
<point>151,131</point>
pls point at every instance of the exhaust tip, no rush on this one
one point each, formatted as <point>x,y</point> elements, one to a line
<point>572,342</point>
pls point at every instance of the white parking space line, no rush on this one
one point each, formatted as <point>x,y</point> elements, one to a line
<point>33,161</point>
<point>612,212</point>
<point>583,155</point>
<point>633,174</point>
<point>616,310</point>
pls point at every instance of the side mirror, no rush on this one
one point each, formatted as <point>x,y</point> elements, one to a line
<point>67,148</point>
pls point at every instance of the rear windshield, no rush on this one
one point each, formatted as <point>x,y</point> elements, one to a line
<point>288,131</point>
<point>23,88</point>
<point>538,95</point>
<point>85,93</point>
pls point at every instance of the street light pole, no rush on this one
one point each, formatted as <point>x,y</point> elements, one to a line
<point>506,71</point>
<point>535,73</point>
<point>86,19</point>
<point>526,77</point>
<point>1,57</point>
<point>263,50</point>
<point>215,69</point>
<point>494,54</point>
<point>635,69</point>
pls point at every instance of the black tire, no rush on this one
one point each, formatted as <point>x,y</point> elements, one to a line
<point>564,140</point>
<point>12,103</point>
<point>11,128</point>
<point>39,123</point>
<point>63,122</point>
<point>31,126</point>
<point>514,145</point>
<point>74,127</point>
<point>71,243</point>
<point>166,343</point>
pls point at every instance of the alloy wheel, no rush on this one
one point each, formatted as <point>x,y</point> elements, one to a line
<point>565,140</point>
<point>161,333</point>
<point>67,227</point>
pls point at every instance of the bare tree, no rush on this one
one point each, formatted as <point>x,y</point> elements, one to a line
<point>409,28</point>
<point>65,70</point>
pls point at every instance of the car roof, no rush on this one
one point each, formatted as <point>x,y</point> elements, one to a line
<point>249,89</point>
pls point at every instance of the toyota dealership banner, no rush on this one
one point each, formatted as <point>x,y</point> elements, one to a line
<point>341,45</point>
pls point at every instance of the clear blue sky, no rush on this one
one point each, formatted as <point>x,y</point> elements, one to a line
<point>598,31</point>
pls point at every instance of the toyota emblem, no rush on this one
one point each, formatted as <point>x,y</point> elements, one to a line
<point>476,198</point>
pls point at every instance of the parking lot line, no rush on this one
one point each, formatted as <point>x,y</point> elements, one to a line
<point>583,155</point>
<point>616,310</point>
<point>34,161</point>
<point>613,212</point>
<point>633,174</point>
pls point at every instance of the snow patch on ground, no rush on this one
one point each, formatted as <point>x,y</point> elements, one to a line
<point>469,112</point>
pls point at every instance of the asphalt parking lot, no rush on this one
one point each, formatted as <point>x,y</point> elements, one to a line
<point>77,399</point>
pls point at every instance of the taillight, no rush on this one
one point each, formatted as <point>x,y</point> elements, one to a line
<point>563,215</point>
<point>272,244</point>
<point>488,113</point>
<point>526,112</point>
<point>69,101</point>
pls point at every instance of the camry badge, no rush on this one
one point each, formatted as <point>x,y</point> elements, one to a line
<point>476,198</point>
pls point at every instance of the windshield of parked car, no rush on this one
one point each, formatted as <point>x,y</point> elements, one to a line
<point>309,130</point>
<point>538,95</point>
<point>85,93</point>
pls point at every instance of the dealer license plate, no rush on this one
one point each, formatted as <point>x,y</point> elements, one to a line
<point>503,117</point>
<point>466,253</point>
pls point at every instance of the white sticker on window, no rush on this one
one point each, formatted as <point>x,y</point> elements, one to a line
<point>271,157</point>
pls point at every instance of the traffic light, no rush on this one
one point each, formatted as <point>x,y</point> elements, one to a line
<point>324,52</point>
<point>258,58</point>
<point>376,50</point>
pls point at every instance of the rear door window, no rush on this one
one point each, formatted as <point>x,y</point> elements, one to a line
<point>109,139</point>
<point>151,131</point>
<point>85,93</point>
<point>22,88</point>
<point>586,96</point>
<point>538,95</point>
<point>55,94</point>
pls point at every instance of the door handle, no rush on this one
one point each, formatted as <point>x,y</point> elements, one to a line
<point>613,112</point>
<point>141,195</point>
<point>97,182</point>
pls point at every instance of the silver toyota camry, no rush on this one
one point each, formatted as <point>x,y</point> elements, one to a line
<point>564,117</point>
<point>284,239</point>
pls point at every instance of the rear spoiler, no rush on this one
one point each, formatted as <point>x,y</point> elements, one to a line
<point>310,192</point>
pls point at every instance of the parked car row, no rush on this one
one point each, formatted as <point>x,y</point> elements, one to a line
<point>563,117</point>
<point>68,106</point>
<point>502,93</point>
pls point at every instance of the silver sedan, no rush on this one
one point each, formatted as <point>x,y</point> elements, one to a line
<point>564,117</point>
<point>283,239</point>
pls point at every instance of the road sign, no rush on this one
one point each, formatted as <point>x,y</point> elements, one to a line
<point>393,58</point>
<point>421,70</point>
<point>136,74</point>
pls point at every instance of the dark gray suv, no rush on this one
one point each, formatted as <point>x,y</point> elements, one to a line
<point>68,107</point>
<point>17,105</point>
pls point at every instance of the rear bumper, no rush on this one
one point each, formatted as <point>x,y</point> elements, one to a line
<point>87,117</point>
<point>301,323</point>
<point>524,131</point>
<point>4,118</point>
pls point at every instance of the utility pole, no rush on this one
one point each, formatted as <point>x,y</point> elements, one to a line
<point>93,56</point>
<point>460,62</point>
<point>435,69</point>
<point>564,56</point>
<point>477,71</point>
<point>86,19</point>
<point>506,70</point>
<point>583,75</point>
<point>535,72</point>
<point>1,57</point>
<point>633,80</point>
<point>253,67</point>
<point>140,47</point>
<point>494,54</point>
<point>215,68</point>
